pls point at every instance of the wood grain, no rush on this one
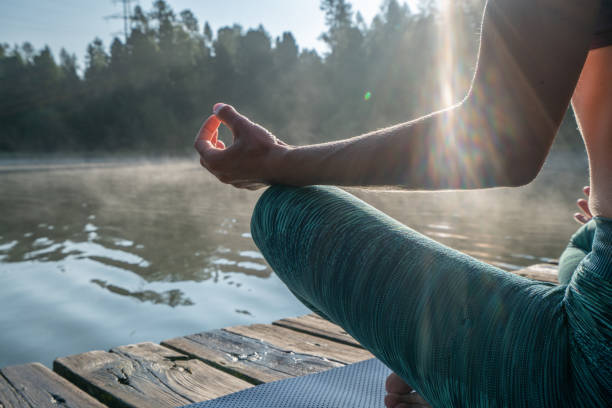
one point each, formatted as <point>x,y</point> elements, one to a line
<point>34,385</point>
<point>146,375</point>
<point>251,359</point>
<point>193,368</point>
<point>541,272</point>
<point>317,326</point>
<point>297,342</point>
<point>9,397</point>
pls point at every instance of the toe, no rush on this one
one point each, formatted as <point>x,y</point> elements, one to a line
<point>392,400</point>
<point>411,400</point>
<point>395,385</point>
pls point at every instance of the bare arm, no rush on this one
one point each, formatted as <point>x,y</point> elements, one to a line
<point>532,52</point>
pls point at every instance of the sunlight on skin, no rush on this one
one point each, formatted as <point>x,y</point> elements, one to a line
<point>210,132</point>
<point>471,137</point>
<point>452,146</point>
<point>461,136</point>
<point>482,128</point>
<point>447,48</point>
<point>472,144</point>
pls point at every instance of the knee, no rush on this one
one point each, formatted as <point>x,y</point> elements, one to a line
<point>267,218</point>
<point>283,214</point>
<point>281,225</point>
<point>278,229</point>
<point>292,226</point>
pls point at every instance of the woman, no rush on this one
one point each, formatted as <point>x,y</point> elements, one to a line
<point>460,332</point>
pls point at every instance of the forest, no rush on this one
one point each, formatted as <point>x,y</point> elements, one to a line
<point>149,92</point>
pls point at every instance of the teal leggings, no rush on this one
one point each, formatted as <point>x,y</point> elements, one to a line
<point>461,332</point>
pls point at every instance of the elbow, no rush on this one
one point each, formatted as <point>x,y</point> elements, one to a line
<point>512,148</point>
<point>520,178</point>
<point>520,164</point>
<point>500,175</point>
<point>489,167</point>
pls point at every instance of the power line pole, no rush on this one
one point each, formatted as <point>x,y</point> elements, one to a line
<point>126,16</point>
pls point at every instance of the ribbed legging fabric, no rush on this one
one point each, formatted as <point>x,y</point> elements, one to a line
<point>579,246</point>
<point>461,332</point>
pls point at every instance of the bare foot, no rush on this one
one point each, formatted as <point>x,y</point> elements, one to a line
<point>401,395</point>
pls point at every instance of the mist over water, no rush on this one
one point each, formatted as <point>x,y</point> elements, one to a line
<point>98,255</point>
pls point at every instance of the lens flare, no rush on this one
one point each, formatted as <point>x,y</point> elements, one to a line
<point>367,96</point>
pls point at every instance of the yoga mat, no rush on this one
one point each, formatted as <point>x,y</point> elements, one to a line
<point>359,385</point>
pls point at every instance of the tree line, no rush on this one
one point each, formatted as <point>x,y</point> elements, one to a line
<point>150,92</point>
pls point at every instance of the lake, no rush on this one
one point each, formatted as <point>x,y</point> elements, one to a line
<point>109,252</point>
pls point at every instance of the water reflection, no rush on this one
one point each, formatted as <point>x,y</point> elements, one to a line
<point>171,223</point>
<point>125,253</point>
<point>156,221</point>
<point>173,298</point>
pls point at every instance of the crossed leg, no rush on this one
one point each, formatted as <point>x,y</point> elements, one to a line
<point>459,331</point>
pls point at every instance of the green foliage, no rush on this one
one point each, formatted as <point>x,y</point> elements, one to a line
<point>151,92</point>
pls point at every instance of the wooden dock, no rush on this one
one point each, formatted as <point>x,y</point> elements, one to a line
<point>192,368</point>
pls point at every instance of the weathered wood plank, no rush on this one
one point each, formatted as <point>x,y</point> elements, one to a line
<point>34,385</point>
<point>9,397</point>
<point>101,374</point>
<point>146,375</point>
<point>291,340</point>
<point>184,375</point>
<point>248,358</point>
<point>317,326</point>
<point>541,272</point>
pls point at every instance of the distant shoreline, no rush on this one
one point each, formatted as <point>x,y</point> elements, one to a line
<point>57,162</point>
<point>558,159</point>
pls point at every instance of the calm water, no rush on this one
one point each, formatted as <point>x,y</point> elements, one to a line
<point>98,255</point>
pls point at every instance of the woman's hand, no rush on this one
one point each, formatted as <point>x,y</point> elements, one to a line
<point>583,204</point>
<point>249,162</point>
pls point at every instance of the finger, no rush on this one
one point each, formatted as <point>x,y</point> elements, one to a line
<point>584,206</point>
<point>208,129</point>
<point>215,138</point>
<point>209,154</point>
<point>580,218</point>
<point>203,164</point>
<point>220,145</point>
<point>230,117</point>
<point>587,190</point>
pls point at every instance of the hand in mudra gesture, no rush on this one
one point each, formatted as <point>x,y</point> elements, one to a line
<point>249,161</point>
<point>583,204</point>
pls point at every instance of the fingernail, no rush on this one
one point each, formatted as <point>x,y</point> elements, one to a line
<point>217,108</point>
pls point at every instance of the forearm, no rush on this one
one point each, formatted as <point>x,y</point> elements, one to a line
<point>434,152</point>
<point>499,136</point>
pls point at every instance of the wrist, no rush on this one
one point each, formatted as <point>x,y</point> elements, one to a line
<point>278,164</point>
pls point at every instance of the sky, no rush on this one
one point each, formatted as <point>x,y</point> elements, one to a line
<point>73,24</point>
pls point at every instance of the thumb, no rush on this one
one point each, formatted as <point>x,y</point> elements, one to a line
<point>230,117</point>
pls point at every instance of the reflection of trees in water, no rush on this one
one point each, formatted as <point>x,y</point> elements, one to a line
<point>172,298</point>
<point>172,222</point>
<point>246,268</point>
<point>163,222</point>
